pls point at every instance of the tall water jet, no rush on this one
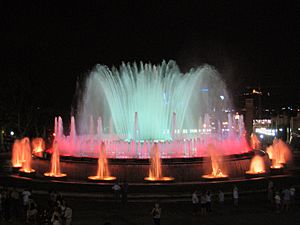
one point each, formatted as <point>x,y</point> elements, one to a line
<point>38,146</point>
<point>55,164</point>
<point>26,151</point>
<point>257,167</point>
<point>217,166</point>
<point>17,154</point>
<point>155,169</point>
<point>102,171</point>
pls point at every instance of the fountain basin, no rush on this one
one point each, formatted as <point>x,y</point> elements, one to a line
<point>27,173</point>
<point>276,170</point>
<point>211,177</point>
<point>101,179</point>
<point>15,169</point>
<point>161,179</point>
<point>52,176</point>
<point>251,174</point>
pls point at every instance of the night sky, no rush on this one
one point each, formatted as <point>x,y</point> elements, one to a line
<point>51,44</point>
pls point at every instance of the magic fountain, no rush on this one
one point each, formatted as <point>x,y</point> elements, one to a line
<point>132,108</point>
<point>257,167</point>
<point>55,164</point>
<point>143,112</point>
<point>217,165</point>
<point>103,173</point>
<point>26,155</point>
<point>155,169</point>
<point>279,154</point>
<point>38,146</point>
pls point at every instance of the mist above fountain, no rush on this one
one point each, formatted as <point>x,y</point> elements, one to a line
<point>102,171</point>
<point>155,168</point>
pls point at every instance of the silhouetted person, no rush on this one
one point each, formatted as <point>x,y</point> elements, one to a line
<point>124,192</point>
<point>156,213</point>
<point>235,195</point>
<point>221,197</point>
<point>195,202</point>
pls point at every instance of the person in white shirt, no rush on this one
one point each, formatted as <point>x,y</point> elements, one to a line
<point>116,188</point>
<point>195,202</point>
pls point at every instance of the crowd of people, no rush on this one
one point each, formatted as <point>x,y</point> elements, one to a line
<point>283,198</point>
<point>21,205</point>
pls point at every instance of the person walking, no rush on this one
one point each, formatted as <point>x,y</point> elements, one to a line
<point>156,214</point>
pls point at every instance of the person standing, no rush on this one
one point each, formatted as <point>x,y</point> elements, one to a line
<point>270,191</point>
<point>292,195</point>
<point>277,201</point>
<point>235,195</point>
<point>195,202</point>
<point>124,192</point>
<point>286,197</point>
<point>208,201</point>
<point>221,197</point>
<point>203,203</point>
<point>68,215</point>
<point>156,213</point>
<point>116,188</point>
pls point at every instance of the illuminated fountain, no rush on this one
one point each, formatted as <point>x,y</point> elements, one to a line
<point>17,154</point>
<point>102,171</point>
<point>257,167</point>
<point>55,164</point>
<point>155,169</point>
<point>134,106</point>
<point>26,169</point>
<point>38,147</point>
<point>216,165</point>
<point>280,155</point>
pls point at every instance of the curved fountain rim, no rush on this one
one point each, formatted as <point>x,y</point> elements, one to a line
<point>136,161</point>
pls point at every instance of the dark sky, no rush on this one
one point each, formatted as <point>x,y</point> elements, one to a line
<point>52,43</point>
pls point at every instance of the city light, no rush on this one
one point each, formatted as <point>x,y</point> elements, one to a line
<point>12,133</point>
